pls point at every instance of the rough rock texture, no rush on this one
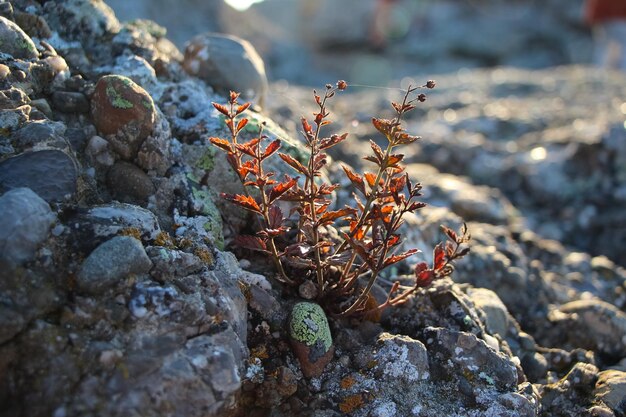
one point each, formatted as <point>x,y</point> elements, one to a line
<point>24,225</point>
<point>121,299</point>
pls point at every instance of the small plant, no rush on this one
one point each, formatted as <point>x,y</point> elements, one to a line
<point>342,251</point>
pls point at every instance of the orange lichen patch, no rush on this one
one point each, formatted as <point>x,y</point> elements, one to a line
<point>164,239</point>
<point>259,352</point>
<point>245,290</point>
<point>205,256</point>
<point>132,232</point>
<point>351,403</point>
<point>347,382</point>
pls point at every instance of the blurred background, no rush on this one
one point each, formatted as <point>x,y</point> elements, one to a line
<point>374,41</point>
<point>525,105</point>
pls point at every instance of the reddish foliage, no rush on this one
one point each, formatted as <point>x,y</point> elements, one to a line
<point>370,242</point>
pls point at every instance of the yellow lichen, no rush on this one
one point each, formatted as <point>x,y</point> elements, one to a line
<point>164,239</point>
<point>259,352</point>
<point>132,232</point>
<point>205,255</point>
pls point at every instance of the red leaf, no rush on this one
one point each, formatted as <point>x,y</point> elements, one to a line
<point>249,148</point>
<point>242,123</point>
<point>355,178</point>
<point>243,108</point>
<point>451,233</point>
<point>251,242</point>
<point>384,126</point>
<point>423,275</point>
<point>271,149</point>
<point>371,179</point>
<point>243,201</point>
<point>294,163</point>
<point>275,216</point>
<point>397,258</point>
<point>318,163</point>
<point>222,144</point>
<point>326,189</point>
<point>281,188</point>
<point>233,97</point>
<point>331,216</point>
<point>222,109</point>
<point>403,138</point>
<point>394,159</point>
<point>332,141</point>
<point>439,257</point>
<point>377,151</point>
<point>298,249</point>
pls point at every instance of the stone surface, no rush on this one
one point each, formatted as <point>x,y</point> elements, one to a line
<point>121,107</point>
<point>611,390</point>
<point>25,223</point>
<point>311,338</point>
<point>227,63</point>
<point>69,102</point>
<point>51,174</point>
<point>15,42</point>
<point>128,183</point>
<point>112,262</point>
<point>590,324</point>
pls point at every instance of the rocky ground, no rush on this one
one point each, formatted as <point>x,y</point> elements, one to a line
<point>120,296</point>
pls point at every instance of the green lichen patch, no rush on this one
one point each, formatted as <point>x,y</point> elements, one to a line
<point>309,325</point>
<point>116,99</point>
<point>207,160</point>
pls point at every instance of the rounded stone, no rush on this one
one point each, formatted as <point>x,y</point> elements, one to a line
<point>51,174</point>
<point>15,42</point>
<point>227,63</point>
<point>24,224</point>
<point>128,183</point>
<point>111,262</point>
<point>311,338</point>
<point>121,107</point>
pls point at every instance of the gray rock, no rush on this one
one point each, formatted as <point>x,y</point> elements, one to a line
<point>589,324</point>
<point>111,262</point>
<point>227,63</point>
<point>97,224</point>
<point>400,357</point>
<point>51,174</point>
<point>15,42</point>
<point>13,98</point>
<point>611,390</point>
<point>99,153</point>
<point>498,319</point>
<point>25,221</point>
<point>40,133</point>
<point>463,353</point>
<point>128,183</point>
<point>13,119</point>
<point>70,102</point>
<point>81,20</point>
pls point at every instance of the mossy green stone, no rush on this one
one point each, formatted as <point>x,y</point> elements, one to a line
<point>309,325</point>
